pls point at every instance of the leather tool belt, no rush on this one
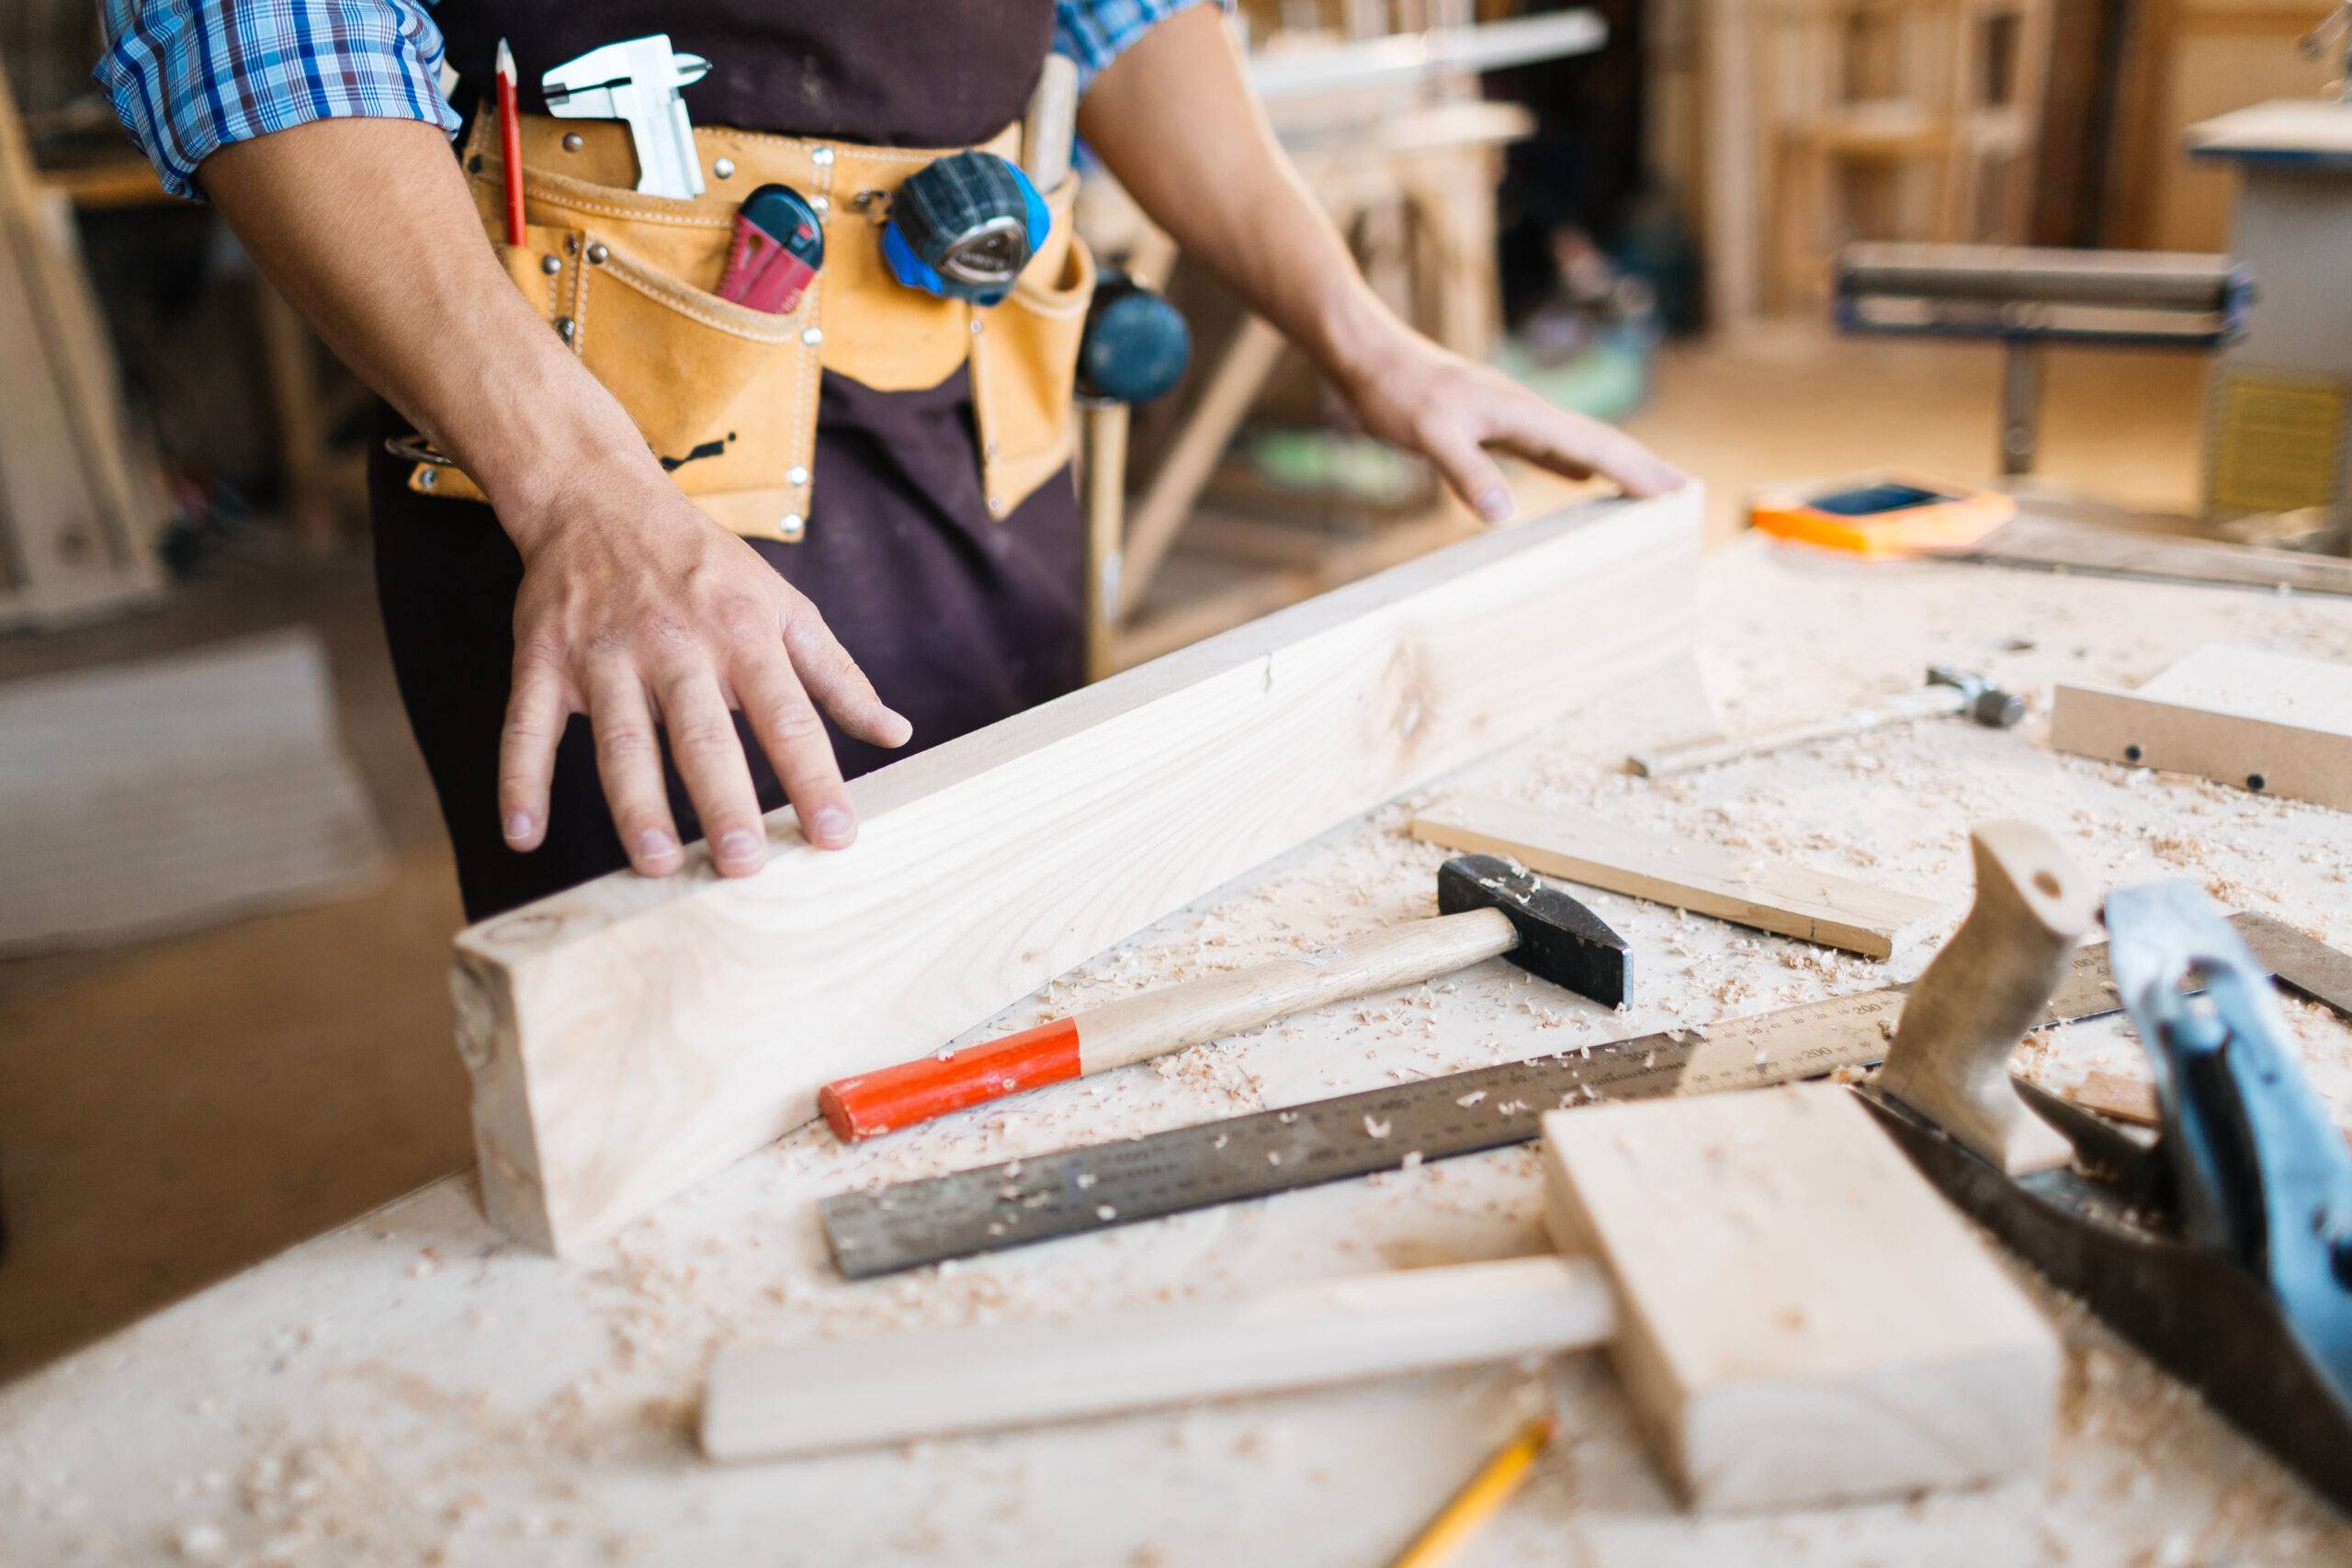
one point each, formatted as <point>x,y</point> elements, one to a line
<point>727,396</point>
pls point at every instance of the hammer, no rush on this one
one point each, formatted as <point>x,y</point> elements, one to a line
<point>1947,691</point>
<point>1488,907</point>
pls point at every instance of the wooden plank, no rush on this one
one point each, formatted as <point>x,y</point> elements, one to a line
<point>2053,544</point>
<point>631,1036</point>
<point>822,1395</point>
<point>1772,896</point>
<point>2237,716</point>
<point>1802,1319</point>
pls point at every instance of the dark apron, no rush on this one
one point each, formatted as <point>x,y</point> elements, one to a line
<point>958,619</point>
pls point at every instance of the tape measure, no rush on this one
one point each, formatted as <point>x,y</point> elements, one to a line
<point>779,246</point>
<point>1135,345</point>
<point>1883,514</point>
<point>964,227</point>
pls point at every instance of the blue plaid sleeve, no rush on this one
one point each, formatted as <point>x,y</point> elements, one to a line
<point>1094,32</point>
<point>188,77</point>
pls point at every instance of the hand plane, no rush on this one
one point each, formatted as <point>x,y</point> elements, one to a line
<point>2221,1247</point>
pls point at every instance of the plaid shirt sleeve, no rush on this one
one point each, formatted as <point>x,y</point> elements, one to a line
<point>1094,32</point>
<point>188,77</point>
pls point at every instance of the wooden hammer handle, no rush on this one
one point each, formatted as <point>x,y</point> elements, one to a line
<point>768,1401</point>
<point>1989,985</point>
<point>1928,702</point>
<point>1138,1028</point>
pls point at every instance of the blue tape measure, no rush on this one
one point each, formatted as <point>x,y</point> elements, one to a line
<point>964,227</point>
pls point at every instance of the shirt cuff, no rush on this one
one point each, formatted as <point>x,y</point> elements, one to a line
<point>187,79</point>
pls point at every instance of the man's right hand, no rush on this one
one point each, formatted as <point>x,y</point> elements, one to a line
<point>641,613</point>
<point>636,609</point>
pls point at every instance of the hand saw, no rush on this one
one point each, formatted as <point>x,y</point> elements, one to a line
<point>1095,1187</point>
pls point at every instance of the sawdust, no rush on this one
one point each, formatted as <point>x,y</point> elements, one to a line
<point>589,1371</point>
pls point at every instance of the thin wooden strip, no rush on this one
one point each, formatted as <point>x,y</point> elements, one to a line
<point>631,1036</point>
<point>1772,896</point>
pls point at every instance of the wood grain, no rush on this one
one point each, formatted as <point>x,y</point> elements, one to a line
<point>2237,716</point>
<point>770,1401</point>
<point>1772,896</point>
<point>629,1036</point>
<point>1802,1319</point>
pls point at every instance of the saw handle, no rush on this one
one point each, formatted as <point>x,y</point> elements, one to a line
<point>1136,1028</point>
<point>1989,985</point>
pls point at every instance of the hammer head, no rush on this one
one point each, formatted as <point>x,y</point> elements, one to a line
<point>1559,939</point>
<point>1987,704</point>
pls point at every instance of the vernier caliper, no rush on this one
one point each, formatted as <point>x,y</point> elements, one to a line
<point>638,81</point>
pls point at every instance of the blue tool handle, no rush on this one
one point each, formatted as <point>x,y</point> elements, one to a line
<point>2263,1176</point>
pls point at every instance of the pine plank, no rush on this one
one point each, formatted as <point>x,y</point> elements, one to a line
<point>631,1036</point>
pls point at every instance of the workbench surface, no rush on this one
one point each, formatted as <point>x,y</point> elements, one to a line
<point>410,1389</point>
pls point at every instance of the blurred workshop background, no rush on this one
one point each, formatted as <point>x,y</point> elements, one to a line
<point>225,897</point>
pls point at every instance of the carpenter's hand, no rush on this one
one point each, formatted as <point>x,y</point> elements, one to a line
<point>1431,401</point>
<point>638,610</point>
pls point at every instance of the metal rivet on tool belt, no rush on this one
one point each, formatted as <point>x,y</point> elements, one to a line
<point>823,204</point>
<point>723,167</point>
<point>428,479</point>
<point>996,506</point>
<point>796,475</point>
<point>565,327</point>
<point>596,254</point>
<point>551,265</point>
<point>979,326</point>
<point>790,527</point>
<point>813,337</point>
<point>820,156</point>
<point>573,141</point>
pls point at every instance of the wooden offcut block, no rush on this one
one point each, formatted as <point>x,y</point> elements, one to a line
<point>2268,722</point>
<point>1801,1319</point>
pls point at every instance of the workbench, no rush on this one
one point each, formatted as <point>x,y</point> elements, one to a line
<point>413,1389</point>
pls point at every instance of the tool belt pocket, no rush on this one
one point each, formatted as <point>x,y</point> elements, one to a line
<point>676,357</point>
<point>1024,364</point>
<point>727,396</point>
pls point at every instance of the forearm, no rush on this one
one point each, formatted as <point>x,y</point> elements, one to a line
<point>1174,119</point>
<point>366,227</point>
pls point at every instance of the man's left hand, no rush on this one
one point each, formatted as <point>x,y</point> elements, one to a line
<point>1429,400</point>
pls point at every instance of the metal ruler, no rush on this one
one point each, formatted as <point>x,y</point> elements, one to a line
<point>1097,1187</point>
